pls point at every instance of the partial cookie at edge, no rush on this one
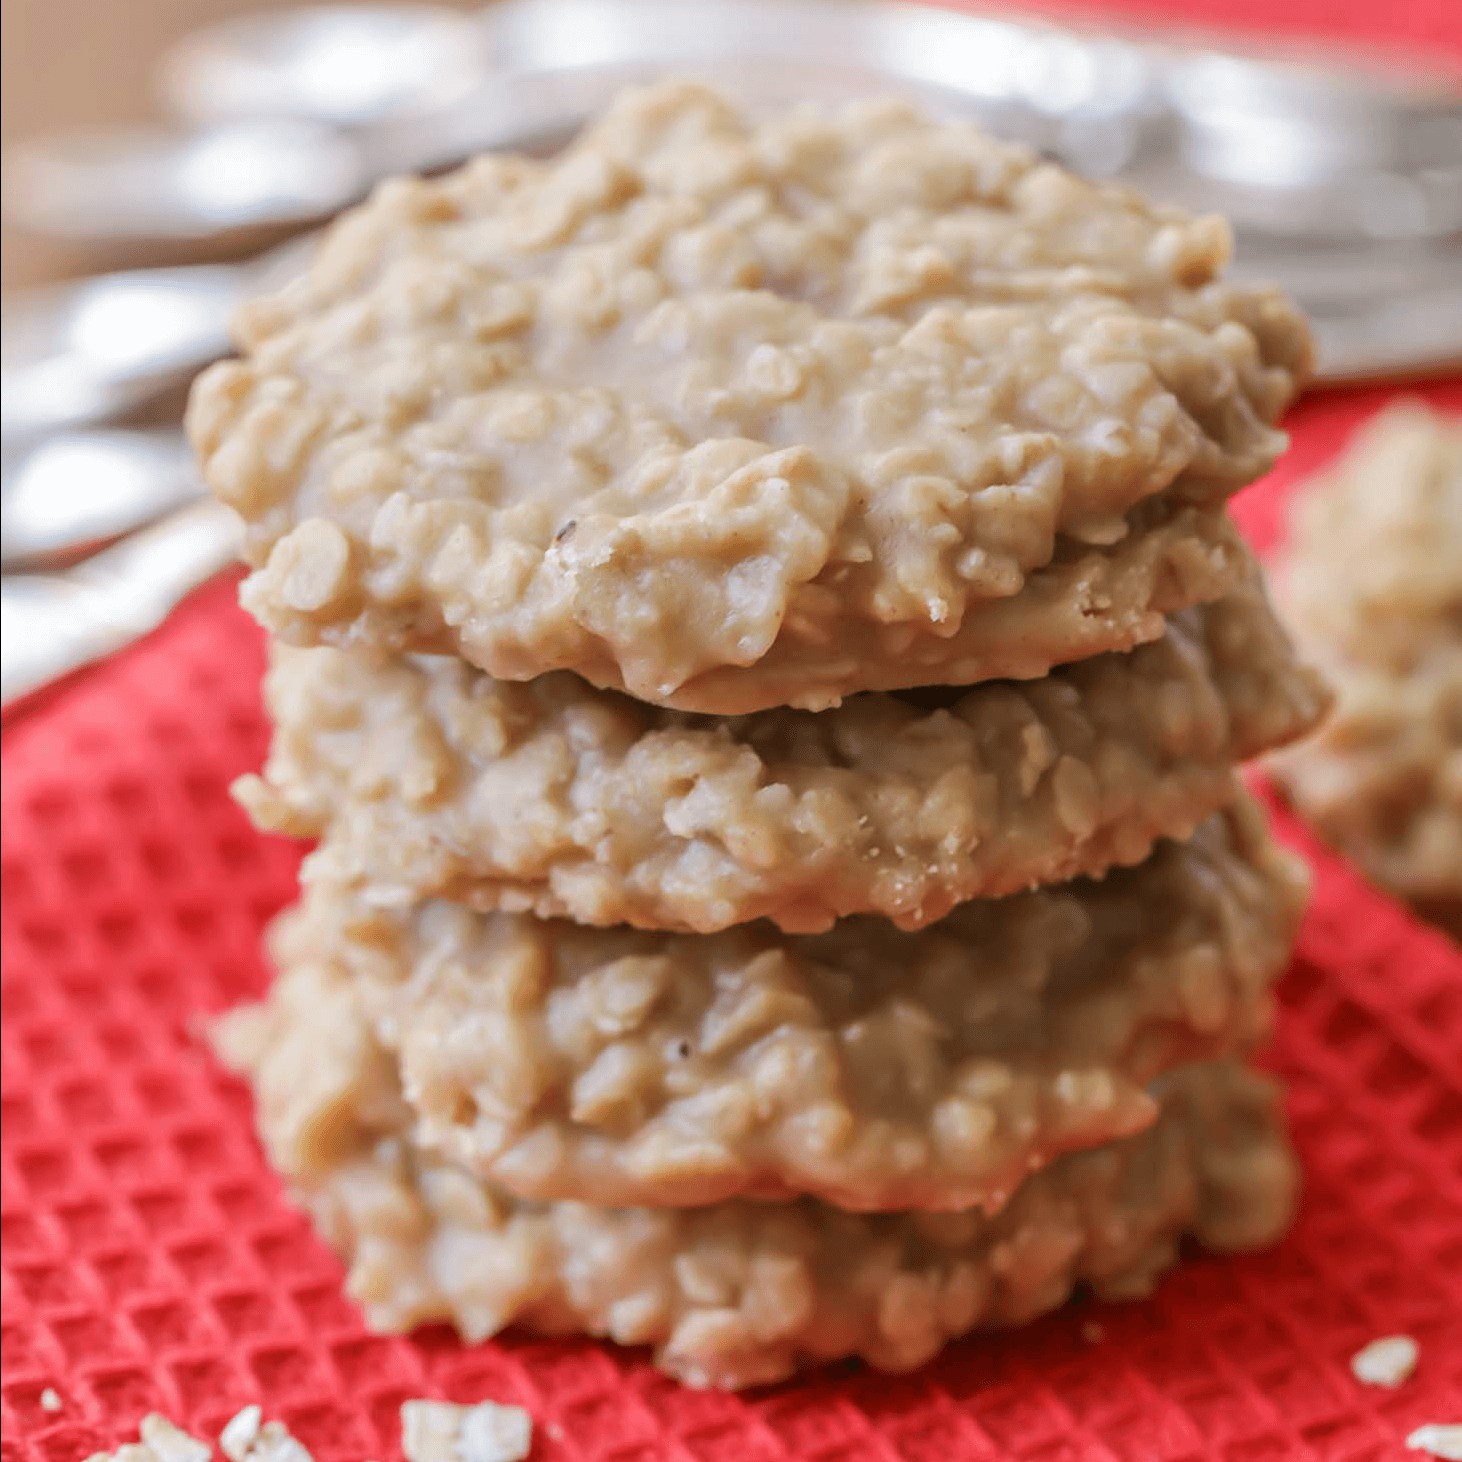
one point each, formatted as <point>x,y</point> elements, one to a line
<point>1372,584</point>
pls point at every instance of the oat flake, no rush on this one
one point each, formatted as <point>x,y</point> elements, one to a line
<point>1438,1439</point>
<point>440,1431</point>
<point>1387,1361</point>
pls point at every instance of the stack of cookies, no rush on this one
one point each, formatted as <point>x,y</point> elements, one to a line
<point>760,645</point>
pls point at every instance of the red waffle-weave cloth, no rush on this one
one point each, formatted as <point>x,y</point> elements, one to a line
<point>1431,28</point>
<point>149,1260</point>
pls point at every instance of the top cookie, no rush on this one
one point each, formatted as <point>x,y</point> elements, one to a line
<point>731,415</point>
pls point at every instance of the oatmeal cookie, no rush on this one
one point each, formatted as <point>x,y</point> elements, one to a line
<point>246,1438</point>
<point>743,1293</point>
<point>868,1067</point>
<point>1382,781</point>
<point>434,780</point>
<point>732,416</point>
<point>1373,587</point>
<point>1373,571</point>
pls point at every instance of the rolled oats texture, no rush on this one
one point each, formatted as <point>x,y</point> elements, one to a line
<point>241,1432</point>
<point>430,779</point>
<point>1372,584</point>
<point>868,1067</point>
<point>744,1293</point>
<point>732,416</point>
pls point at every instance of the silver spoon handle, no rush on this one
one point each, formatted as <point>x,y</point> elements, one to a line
<point>64,496</point>
<point>89,351</point>
<point>52,624</point>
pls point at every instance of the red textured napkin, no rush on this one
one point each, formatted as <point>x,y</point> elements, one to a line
<point>1431,28</point>
<point>148,1258</point>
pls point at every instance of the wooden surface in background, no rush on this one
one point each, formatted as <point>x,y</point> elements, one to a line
<point>71,63</point>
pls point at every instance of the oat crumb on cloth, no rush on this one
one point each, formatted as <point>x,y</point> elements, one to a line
<point>1438,1439</point>
<point>431,1431</point>
<point>249,1438</point>
<point>1387,1361</point>
<point>440,1431</point>
<point>159,1441</point>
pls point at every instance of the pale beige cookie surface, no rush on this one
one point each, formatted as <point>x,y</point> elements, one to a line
<point>1373,587</point>
<point>429,779</point>
<point>733,415</point>
<point>743,1293</point>
<point>868,1067</point>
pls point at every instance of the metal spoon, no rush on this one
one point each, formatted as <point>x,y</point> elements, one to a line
<point>93,350</point>
<point>65,496</point>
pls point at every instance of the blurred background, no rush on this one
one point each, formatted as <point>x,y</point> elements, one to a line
<point>67,65</point>
<point>70,64</point>
<point>75,63</point>
<point>75,66</point>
